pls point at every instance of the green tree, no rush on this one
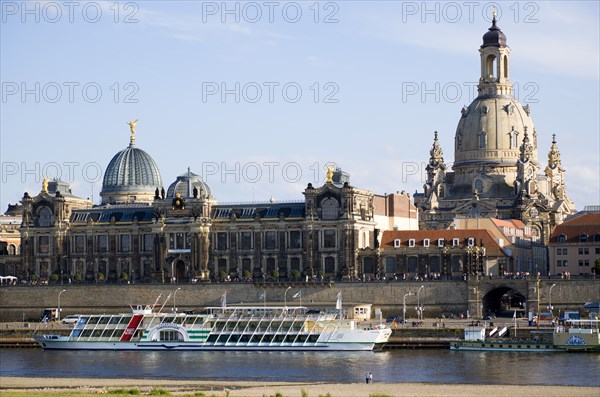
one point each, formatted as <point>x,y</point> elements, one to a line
<point>597,266</point>
<point>100,277</point>
<point>275,273</point>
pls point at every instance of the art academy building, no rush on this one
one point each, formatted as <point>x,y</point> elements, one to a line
<point>143,231</point>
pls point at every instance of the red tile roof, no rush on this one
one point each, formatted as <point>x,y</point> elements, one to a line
<point>489,242</point>
<point>588,224</point>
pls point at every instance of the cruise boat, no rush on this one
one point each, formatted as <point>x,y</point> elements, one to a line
<point>288,328</point>
<point>475,339</point>
<point>578,335</point>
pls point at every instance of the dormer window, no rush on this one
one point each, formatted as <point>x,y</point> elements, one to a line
<point>471,242</point>
<point>583,238</point>
<point>397,243</point>
<point>455,242</point>
<point>562,238</point>
<point>426,243</point>
<point>411,242</point>
<point>441,242</point>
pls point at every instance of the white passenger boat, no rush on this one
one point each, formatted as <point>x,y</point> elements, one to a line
<point>288,328</point>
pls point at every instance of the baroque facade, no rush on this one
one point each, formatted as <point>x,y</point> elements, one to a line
<point>496,172</point>
<point>143,233</point>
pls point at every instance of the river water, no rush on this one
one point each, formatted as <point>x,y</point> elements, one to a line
<point>429,366</point>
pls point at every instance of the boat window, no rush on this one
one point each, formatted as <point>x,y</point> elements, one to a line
<point>313,338</point>
<point>114,320</point>
<point>93,320</point>
<point>104,320</point>
<point>212,338</point>
<point>86,333</point>
<point>168,335</point>
<point>256,338</point>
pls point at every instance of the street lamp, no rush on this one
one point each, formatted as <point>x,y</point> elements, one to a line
<point>404,307</point>
<point>174,296</point>
<point>419,303</point>
<point>550,299</point>
<point>285,296</point>
<point>59,294</point>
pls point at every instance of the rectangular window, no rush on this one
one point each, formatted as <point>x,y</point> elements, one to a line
<point>586,251</point>
<point>329,239</point>
<point>125,243</point>
<point>44,244</point>
<point>565,251</point>
<point>270,240</point>
<point>586,262</point>
<point>79,243</point>
<point>440,242</point>
<point>295,239</point>
<point>390,264</point>
<point>397,243</point>
<point>426,243</point>
<point>103,243</point>
<point>559,251</point>
<point>411,242</point>
<point>580,251</point>
<point>221,241</point>
<point>148,242</point>
<point>455,242</point>
<point>597,251</point>
<point>246,240</point>
<point>580,262</point>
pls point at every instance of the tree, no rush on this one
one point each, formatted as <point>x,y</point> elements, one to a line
<point>295,274</point>
<point>77,277</point>
<point>124,276</point>
<point>275,273</point>
<point>100,277</point>
<point>246,274</point>
<point>596,268</point>
<point>54,277</point>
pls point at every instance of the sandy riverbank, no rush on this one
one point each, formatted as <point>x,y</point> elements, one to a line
<point>292,389</point>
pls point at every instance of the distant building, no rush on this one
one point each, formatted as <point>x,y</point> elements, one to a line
<point>496,172</point>
<point>440,253</point>
<point>10,242</point>
<point>527,253</point>
<point>575,245</point>
<point>395,211</point>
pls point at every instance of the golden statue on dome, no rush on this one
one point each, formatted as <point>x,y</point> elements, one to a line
<point>45,185</point>
<point>132,129</point>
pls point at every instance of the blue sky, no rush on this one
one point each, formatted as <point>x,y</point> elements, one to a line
<point>259,96</point>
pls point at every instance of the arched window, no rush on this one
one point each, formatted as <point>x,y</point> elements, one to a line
<point>583,238</point>
<point>505,66</point>
<point>331,209</point>
<point>491,67</point>
<point>562,238</point>
<point>12,249</point>
<point>330,265</point>
<point>45,217</point>
<point>479,185</point>
<point>597,237</point>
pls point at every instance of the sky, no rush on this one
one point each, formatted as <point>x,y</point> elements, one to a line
<point>259,97</point>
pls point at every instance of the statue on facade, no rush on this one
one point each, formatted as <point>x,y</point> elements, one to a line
<point>329,176</point>
<point>45,185</point>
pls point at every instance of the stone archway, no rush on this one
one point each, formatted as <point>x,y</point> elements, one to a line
<point>503,302</point>
<point>180,270</point>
